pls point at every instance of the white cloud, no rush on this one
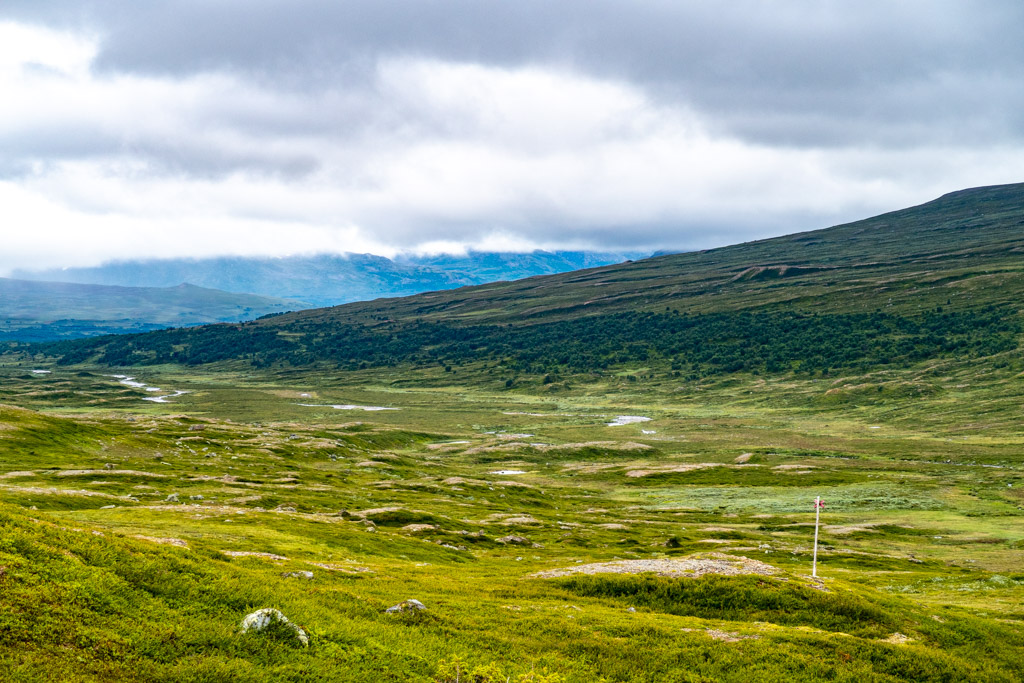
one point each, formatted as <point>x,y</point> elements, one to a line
<point>424,155</point>
<point>38,49</point>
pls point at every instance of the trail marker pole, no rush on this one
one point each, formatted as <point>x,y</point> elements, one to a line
<point>818,504</point>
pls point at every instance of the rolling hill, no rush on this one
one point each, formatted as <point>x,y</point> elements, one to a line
<point>942,278</point>
<point>37,311</point>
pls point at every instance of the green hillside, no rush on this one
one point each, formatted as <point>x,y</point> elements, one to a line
<point>945,278</point>
<point>965,250</point>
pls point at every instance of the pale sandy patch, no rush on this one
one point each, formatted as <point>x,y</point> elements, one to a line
<point>15,475</point>
<point>663,469</point>
<point>340,567</point>
<point>164,541</point>
<point>265,556</point>
<point>690,567</point>
<point>110,473</point>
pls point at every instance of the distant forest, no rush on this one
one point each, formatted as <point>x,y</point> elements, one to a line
<point>694,345</point>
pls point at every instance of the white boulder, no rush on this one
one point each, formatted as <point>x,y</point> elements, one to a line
<point>263,618</point>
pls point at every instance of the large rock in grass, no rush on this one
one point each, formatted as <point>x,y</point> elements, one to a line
<point>410,605</point>
<point>271,621</point>
<point>512,540</point>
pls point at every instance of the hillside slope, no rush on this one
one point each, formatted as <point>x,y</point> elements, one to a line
<point>944,278</point>
<point>966,247</point>
<point>54,310</point>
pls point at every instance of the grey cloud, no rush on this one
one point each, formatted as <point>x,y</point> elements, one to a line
<point>867,105</point>
<point>799,73</point>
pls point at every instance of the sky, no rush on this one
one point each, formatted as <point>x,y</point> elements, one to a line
<point>192,128</point>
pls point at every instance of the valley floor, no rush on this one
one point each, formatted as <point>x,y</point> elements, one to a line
<point>137,533</point>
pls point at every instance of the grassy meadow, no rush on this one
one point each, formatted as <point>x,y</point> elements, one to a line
<point>136,535</point>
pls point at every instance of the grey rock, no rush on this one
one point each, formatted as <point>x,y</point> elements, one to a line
<point>410,605</point>
<point>512,540</point>
<point>262,618</point>
<point>301,574</point>
<point>173,498</point>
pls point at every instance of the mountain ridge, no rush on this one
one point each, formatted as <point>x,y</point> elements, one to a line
<point>40,311</point>
<point>331,279</point>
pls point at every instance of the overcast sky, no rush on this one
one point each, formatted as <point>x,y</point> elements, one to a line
<point>199,127</point>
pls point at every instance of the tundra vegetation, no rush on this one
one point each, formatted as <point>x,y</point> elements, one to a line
<point>546,539</point>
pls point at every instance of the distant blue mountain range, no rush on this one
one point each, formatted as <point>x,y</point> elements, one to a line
<point>326,280</point>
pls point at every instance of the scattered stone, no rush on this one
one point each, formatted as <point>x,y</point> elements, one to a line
<point>416,528</point>
<point>108,507</point>
<point>512,540</point>
<point>743,458</point>
<point>301,574</point>
<point>613,527</point>
<point>195,497</point>
<point>897,639</point>
<point>173,498</point>
<point>452,547</point>
<point>109,466</point>
<point>410,605</point>
<point>197,428</point>
<point>261,619</point>
<point>631,609</point>
<point>284,508</point>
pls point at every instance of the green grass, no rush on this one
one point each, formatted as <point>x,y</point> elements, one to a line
<point>911,544</point>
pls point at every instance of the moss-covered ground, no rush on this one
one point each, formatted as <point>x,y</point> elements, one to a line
<point>135,535</point>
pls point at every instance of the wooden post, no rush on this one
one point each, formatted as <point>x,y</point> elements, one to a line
<point>817,517</point>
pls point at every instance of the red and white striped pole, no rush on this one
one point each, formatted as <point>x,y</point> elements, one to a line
<point>818,504</point>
